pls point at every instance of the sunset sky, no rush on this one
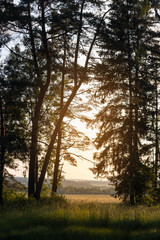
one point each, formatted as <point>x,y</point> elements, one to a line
<point>71,172</point>
<point>82,170</point>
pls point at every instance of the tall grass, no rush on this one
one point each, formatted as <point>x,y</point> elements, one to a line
<point>58,219</point>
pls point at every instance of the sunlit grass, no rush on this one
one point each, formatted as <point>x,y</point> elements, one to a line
<point>60,219</point>
<point>91,198</point>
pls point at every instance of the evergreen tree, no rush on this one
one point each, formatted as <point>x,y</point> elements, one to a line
<point>14,123</point>
<point>127,90</point>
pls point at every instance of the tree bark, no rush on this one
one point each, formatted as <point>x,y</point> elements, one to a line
<point>53,138</point>
<point>2,157</point>
<point>57,161</point>
<point>156,138</point>
<point>131,163</point>
<point>39,102</point>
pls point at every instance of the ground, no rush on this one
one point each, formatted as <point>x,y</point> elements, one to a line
<point>81,217</point>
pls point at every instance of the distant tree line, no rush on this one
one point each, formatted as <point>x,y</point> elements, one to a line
<point>82,190</point>
<point>61,48</point>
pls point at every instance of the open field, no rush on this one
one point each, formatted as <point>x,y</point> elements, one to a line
<point>73,220</point>
<point>91,198</point>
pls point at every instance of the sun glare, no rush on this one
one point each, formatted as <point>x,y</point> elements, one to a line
<point>81,126</point>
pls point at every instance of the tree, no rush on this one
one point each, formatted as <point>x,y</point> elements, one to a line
<point>14,136</point>
<point>41,30</point>
<point>78,78</point>
<point>8,13</point>
<point>127,89</point>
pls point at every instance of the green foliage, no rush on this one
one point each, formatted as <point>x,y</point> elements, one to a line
<point>18,200</point>
<point>127,138</point>
<point>10,195</point>
<point>46,190</point>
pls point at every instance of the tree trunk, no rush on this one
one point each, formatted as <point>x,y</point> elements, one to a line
<point>136,130</point>
<point>63,112</point>
<point>131,163</point>
<point>35,127</point>
<point>132,198</point>
<point>2,157</point>
<point>156,133</point>
<point>56,166</point>
<point>33,156</point>
<point>57,162</point>
<point>51,144</point>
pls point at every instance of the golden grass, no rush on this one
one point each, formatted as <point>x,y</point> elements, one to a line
<point>82,217</point>
<point>86,198</point>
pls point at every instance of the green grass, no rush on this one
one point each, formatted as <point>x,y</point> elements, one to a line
<point>58,219</point>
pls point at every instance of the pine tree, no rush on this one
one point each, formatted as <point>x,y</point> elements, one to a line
<point>14,134</point>
<point>127,90</point>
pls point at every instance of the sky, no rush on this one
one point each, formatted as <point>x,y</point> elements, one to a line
<point>81,171</point>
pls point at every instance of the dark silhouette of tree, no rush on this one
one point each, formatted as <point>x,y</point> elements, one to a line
<point>42,25</point>
<point>78,78</point>
<point>14,133</point>
<point>127,88</point>
<point>8,14</point>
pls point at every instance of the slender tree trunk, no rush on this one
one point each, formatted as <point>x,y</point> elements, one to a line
<point>2,157</point>
<point>35,120</point>
<point>36,169</point>
<point>135,140</point>
<point>33,155</point>
<point>43,88</point>
<point>131,172</point>
<point>57,162</point>
<point>77,43</point>
<point>156,133</point>
<point>131,163</point>
<point>136,121</point>
<point>51,144</point>
<point>56,166</point>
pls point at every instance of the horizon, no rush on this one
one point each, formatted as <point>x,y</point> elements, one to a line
<point>73,179</point>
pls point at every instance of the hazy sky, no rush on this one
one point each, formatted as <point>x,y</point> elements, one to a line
<point>71,172</point>
<point>82,170</point>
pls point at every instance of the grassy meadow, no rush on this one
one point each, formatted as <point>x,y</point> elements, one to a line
<point>90,198</point>
<point>62,218</point>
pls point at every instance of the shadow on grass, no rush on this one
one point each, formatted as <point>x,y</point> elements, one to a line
<point>79,233</point>
<point>58,220</point>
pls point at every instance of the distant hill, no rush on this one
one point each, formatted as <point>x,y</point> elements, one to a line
<point>79,186</point>
<point>85,183</point>
<point>22,180</point>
